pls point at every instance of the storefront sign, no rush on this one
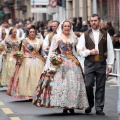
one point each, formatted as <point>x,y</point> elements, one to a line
<point>39,2</point>
<point>38,10</point>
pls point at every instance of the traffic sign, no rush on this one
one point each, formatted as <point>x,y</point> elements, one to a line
<point>53,3</point>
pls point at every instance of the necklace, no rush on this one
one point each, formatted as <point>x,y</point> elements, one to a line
<point>67,36</point>
<point>32,39</point>
<point>14,39</point>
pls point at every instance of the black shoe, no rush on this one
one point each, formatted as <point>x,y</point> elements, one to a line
<point>88,110</point>
<point>71,111</point>
<point>100,112</point>
<point>65,111</point>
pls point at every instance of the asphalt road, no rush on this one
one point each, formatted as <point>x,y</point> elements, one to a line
<point>25,110</point>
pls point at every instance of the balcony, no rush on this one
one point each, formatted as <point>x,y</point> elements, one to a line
<point>21,7</point>
<point>8,1</point>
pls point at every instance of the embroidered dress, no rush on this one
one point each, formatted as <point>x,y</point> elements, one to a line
<point>64,87</point>
<point>27,73</point>
<point>2,52</point>
<point>2,43</point>
<point>9,62</point>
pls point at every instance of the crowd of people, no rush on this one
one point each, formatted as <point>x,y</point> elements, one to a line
<point>40,61</point>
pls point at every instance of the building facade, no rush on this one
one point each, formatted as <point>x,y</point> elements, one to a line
<point>12,9</point>
<point>107,9</point>
<point>63,9</point>
<point>7,7</point>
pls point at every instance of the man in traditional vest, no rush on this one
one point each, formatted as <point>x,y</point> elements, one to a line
<point>96,46</point>
<point>48,38</point>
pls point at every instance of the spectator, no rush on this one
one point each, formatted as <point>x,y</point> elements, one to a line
<point>48,38</point>
<point>20,32</point>
<point>77,24</point>
<point>74,24</point>
<point>116,41</point>
<point>84,26</point>
<point>110,28</point>
<point>103,26</point>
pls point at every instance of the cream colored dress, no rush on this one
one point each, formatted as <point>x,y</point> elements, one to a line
<point>29,73</point>
<point>9,62</point>
<point>2,42</point>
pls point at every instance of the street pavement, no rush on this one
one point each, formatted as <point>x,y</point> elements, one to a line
<point>19,109</point>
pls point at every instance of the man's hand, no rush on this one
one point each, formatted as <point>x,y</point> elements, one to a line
<point>109,70</point>
<point>93,52</point>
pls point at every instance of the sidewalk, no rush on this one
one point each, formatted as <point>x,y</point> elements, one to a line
<point>112,80</point>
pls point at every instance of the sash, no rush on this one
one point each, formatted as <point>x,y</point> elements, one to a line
<point>12,45</point>
<point>32,50</point>
<point>67,52</point>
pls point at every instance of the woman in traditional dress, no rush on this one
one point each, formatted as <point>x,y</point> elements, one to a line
<point>62,86</point>
<point>11,44</point>
<point>2,50</point>
<point>28,69</point>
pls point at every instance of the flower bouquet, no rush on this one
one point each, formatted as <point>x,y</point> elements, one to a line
<point>2,47</point>
<point>17,54</point>
<point>56,60</point>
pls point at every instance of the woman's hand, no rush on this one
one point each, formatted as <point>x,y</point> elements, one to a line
<point>19,60</point>
<point>17,54</point>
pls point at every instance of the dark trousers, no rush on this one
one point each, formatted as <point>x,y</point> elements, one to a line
<point>95,72</point>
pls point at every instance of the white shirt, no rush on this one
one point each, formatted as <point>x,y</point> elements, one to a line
<point>20,33</point>
<point>96,34</point>
<point>85,53</point>
<point>7,31</point>
<point>46,42</point>
<point>40,36</point>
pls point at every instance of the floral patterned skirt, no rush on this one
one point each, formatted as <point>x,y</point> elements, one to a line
<point>8,69</point>
<point>25,78</point>
<point>63,89</point>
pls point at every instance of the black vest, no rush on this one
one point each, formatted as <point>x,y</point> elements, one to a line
<point>102,45</point>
